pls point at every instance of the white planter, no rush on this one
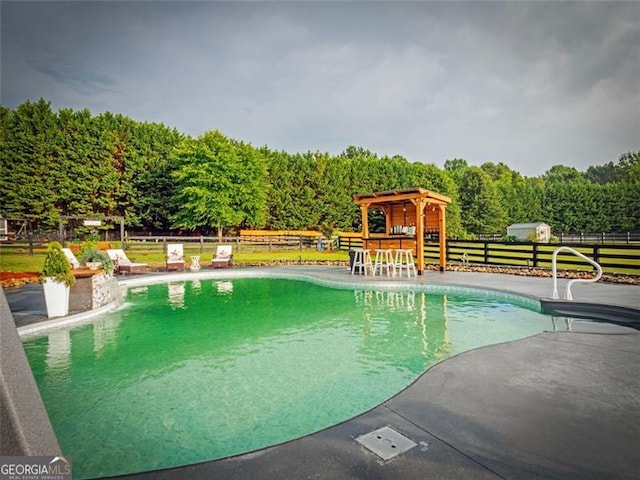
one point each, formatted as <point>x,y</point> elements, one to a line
<point>94,265</point>
<point>56,296</point>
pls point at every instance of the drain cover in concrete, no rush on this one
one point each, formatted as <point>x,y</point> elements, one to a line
<point>386,442</point>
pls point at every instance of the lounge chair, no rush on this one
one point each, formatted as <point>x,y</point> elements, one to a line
<point>175,257</point>
<point>71,258</point>
<point>123,264</point>
<point>224,256</point>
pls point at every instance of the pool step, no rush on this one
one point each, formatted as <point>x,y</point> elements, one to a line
<point>626,316</point>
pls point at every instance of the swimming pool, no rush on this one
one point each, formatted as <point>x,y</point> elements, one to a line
<point>195,370</point>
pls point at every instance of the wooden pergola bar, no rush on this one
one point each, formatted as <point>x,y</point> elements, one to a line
<point>409,214</point>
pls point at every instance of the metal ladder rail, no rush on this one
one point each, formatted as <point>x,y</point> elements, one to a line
<point>567,294</point>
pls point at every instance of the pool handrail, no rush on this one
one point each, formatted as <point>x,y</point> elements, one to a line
<point>567,294</point>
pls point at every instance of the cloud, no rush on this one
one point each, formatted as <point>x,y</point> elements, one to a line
<point>81,78</point>
<point>530,84</point>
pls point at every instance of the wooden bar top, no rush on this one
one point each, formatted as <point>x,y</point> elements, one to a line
<point>393,242</point>
<point>389,237</point>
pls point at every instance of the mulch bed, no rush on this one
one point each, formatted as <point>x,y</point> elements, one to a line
<point>17,279</point>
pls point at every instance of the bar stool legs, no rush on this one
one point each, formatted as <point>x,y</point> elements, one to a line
<point>362,261</point>
<point>384,259</point>
<point>404,260</point>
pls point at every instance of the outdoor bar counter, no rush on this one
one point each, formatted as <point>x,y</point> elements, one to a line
<point>409,213</point>
<point>394,242</point>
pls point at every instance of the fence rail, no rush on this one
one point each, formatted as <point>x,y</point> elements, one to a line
<point>598,237</point>
<point>243,242</point>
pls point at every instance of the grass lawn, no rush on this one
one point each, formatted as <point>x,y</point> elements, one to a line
<point>20,261</point>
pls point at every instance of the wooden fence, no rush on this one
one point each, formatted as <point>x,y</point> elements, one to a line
<point>568,238</point>
<point>194,245</point>
<point>613,258</point>
<point>202,244</point>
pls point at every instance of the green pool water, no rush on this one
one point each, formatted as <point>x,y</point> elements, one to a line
<point>193,371</point>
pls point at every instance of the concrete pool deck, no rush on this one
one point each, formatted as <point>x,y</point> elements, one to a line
<point>562,405</point>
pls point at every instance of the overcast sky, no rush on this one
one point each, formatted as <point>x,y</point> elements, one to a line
<point>530,84</point>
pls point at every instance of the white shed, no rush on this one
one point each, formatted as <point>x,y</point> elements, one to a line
<point>527,231</point>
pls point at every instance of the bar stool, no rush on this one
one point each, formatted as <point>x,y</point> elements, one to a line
<point>362,260</point>
<point>384,259</point>
<point>404,259</point>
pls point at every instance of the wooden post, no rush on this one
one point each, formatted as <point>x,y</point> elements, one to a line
<point>30,239</point>
<point>387,220</point>
<point>442,233</point>
<point>122,232</point>
<point>61,232</point>
<point>420,204</point>
<point>365,221</point>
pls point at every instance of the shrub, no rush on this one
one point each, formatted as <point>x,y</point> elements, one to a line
<point>509,239</point>
<point>90,253</point>
<point>57,266</point>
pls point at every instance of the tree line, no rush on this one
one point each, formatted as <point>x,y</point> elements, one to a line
<point>73,163</point>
